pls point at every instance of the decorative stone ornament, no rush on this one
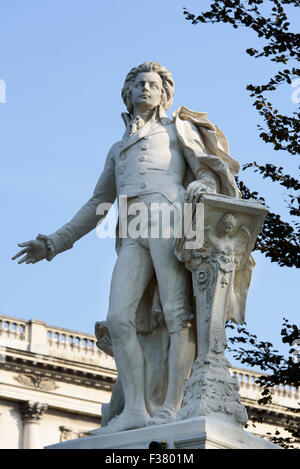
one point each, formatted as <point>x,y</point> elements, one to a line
<point>32,411</point>
<point>36,381</point>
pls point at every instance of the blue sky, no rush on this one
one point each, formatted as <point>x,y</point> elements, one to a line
<point>64,64</point>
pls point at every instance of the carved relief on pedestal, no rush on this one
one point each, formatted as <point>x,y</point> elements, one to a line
<point>212,391</point>
<point>205,275</point>
<point>217,338</point>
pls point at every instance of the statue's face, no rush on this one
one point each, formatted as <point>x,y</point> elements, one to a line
<point>229,224</point>
<point>146,91</point>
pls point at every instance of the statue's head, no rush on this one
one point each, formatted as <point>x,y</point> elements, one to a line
<point>227,223</point>
<point>149,85</point>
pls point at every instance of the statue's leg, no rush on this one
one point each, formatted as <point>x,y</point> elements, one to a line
<point>181,358</point>
<point>132,273</point>
<point>174,283</point>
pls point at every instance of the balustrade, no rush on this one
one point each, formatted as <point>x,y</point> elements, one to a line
<point>11,328</point>
<point>247,380</point>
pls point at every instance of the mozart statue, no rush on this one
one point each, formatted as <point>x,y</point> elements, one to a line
<point>150,322</point>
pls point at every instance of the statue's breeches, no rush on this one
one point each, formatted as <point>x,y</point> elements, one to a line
<point>139,260</point>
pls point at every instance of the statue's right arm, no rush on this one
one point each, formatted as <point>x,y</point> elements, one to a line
<point>83,221</point>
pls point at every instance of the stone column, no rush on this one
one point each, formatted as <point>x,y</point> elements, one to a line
<point>31,414</point>
<point>221,271</point>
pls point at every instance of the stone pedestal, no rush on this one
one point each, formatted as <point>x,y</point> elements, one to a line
<point>196,433</point>
<point>221,270</point>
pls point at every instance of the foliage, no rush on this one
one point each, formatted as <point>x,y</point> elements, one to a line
<point>279,239</point>
<point>278,370</point>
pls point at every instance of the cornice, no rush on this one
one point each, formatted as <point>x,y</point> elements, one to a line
<point>272,416</point>
<point>38,375</point>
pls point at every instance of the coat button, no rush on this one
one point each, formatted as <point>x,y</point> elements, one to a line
<point>145,147</point>
<point>123,156</point>
<point>142,171</point>
<point>122,184</point>
<point>121,170</point>
<point>142,158</point>
<point>143,185</point>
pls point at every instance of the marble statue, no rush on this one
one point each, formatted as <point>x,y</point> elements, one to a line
<point>152,327</point>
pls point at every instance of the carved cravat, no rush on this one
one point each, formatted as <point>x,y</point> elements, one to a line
<point>135,125</point>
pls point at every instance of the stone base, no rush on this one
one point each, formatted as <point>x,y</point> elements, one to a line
<point>212,391</point>
<point>196,433</point>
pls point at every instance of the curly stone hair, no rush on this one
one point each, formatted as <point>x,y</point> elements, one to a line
<point>165,75</point>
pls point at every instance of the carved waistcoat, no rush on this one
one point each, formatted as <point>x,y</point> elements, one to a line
<point>150,161</point>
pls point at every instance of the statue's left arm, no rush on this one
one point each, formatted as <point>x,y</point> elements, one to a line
<point>213,168</point>
<point>206,180</point>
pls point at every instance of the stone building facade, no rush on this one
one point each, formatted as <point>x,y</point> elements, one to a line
<point>53,382</point>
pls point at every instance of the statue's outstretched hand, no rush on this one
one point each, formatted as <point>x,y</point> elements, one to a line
<point>34,251</point>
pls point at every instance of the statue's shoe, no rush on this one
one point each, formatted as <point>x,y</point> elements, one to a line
<point>123,422</point>
<point>164,415</point>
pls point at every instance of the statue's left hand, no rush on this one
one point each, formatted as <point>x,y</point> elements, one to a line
<point>194,190</point>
